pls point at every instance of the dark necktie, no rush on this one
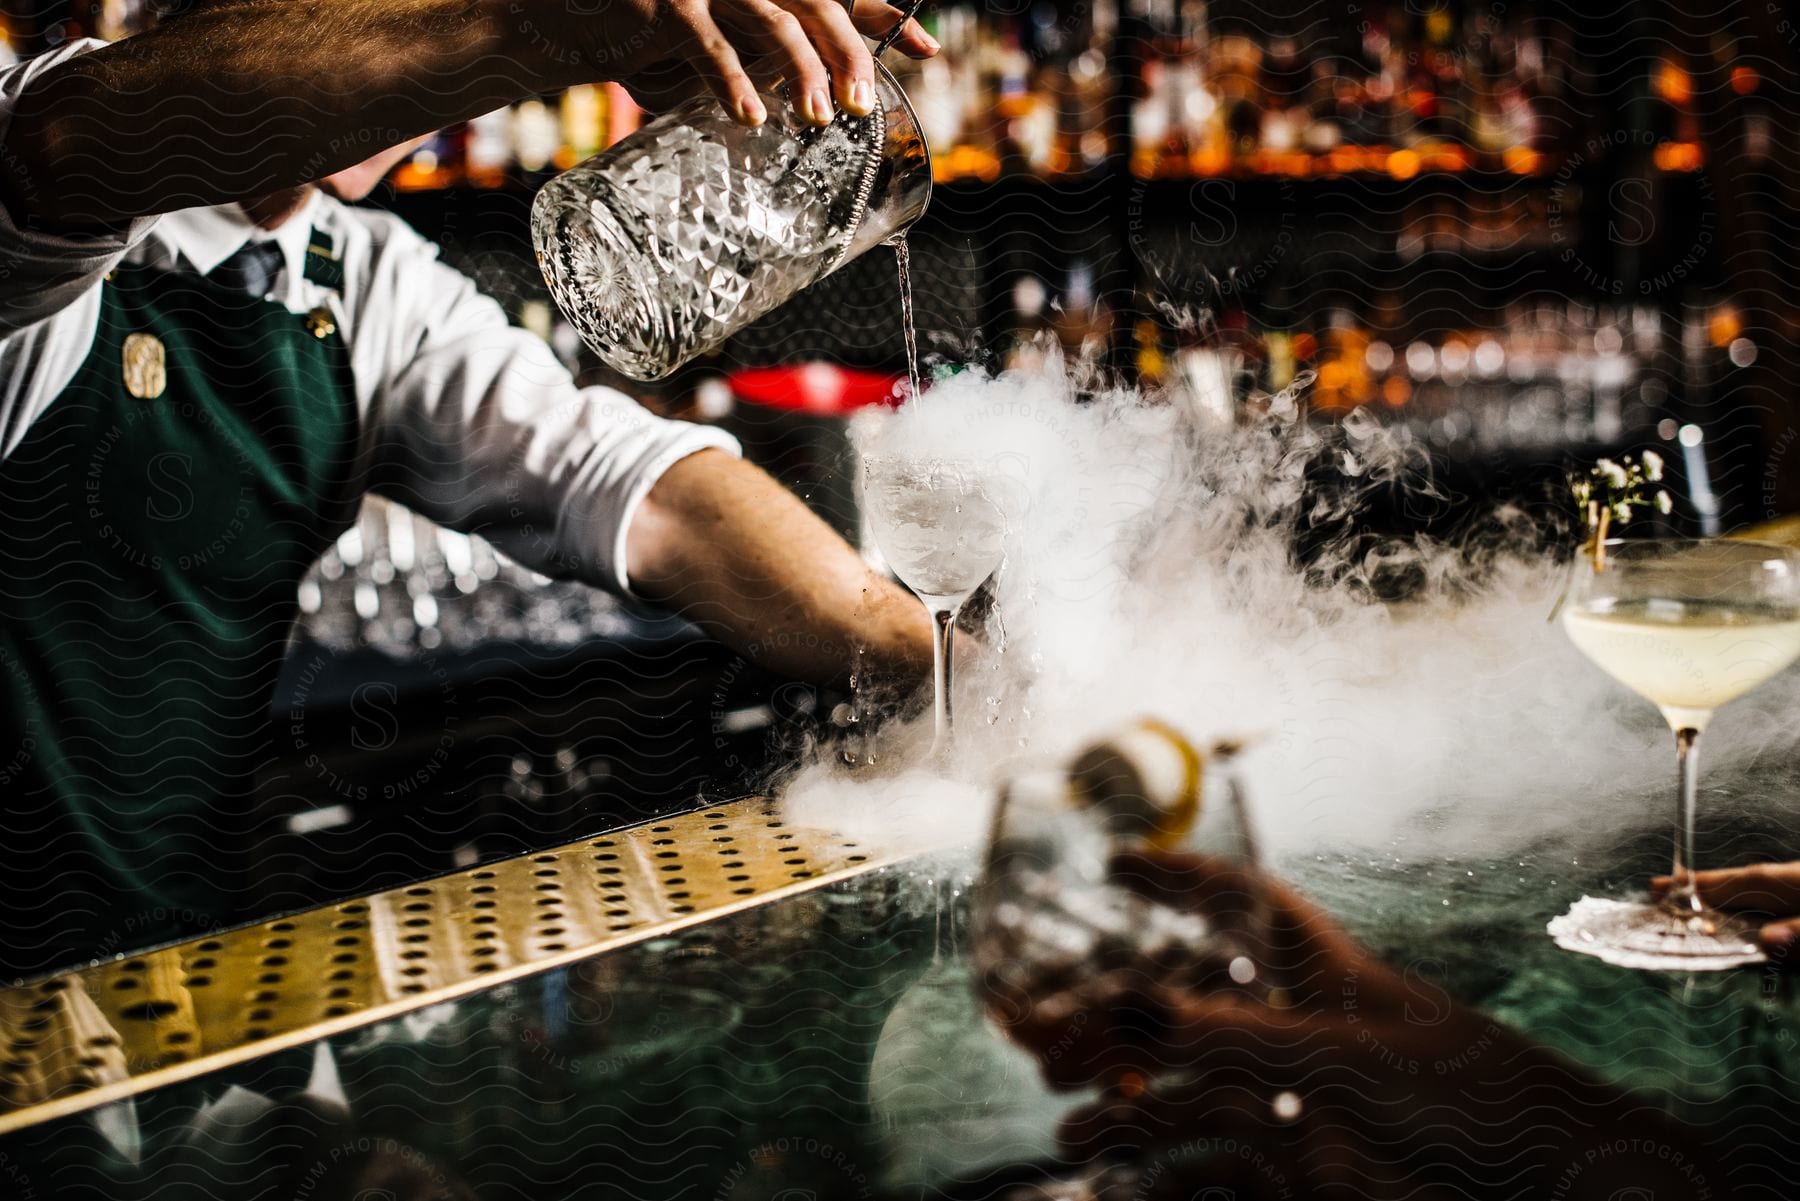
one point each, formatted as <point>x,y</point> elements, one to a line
<point>251,270</point>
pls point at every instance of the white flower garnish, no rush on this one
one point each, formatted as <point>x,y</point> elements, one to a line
<point>1608,492</point>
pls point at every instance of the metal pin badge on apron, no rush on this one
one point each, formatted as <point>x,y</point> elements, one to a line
<point>145,366</point>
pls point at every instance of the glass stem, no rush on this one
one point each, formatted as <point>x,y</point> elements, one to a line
<point>943,626</point>
<point>1683,896</point>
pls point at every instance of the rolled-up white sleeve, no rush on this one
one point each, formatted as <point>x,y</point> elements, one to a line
<point>477,426</point>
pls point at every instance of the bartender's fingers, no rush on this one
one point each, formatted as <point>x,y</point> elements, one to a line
<point>1155,1032</point>
<point>1078,1046</point>
<point>1201,882</point>
<point>1196,883</point>
<point>1764,887</point>
<point>789,50</point>
<point>1305,950</point>
<point>1780,937</point>
<point>875,19</point>
<point>724,72</point>
<point>1333,1129</point>
<point>842,48</point>
<point>1130,1123</point>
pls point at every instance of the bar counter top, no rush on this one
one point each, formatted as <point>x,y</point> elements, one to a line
<point>827,1042</point>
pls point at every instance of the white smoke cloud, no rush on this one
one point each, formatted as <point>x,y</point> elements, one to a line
<point>1150,570</point>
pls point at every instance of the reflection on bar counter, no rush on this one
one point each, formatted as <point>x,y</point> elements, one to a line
<point>400,584</point>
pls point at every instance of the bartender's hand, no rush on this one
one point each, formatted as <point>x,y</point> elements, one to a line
<point>238,99</point>
<point>1771,890</point>
<point>736,48</point>
<point>1351,1078</point>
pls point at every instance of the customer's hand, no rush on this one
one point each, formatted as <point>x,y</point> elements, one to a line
<point>1101,1026</point>
<point>1350,1080</point>
<point>1770,890</point>
<point>735,48</point>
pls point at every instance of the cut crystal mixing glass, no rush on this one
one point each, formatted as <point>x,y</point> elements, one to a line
<point>665,244</point>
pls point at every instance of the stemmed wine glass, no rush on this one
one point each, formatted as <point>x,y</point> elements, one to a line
<point>1688,625</point>
<point>939,524</point>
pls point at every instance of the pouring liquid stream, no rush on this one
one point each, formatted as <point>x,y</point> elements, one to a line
<point>903,262</point>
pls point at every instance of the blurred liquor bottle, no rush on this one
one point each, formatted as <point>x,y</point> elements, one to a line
<point>510,145</point>
<point>1530,372</point>
<point>537,136</point>
<point>488,149</point>
<point>582,118</point>
<point>110,20</point>
<point>1015,95</point>
<point>1404,92</point>
<point>1087,99</point>
<point>436,163</point>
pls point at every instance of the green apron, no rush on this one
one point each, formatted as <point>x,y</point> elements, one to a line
<point>154,524</point>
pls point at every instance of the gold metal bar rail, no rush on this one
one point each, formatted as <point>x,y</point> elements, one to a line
<point>85,1038</point>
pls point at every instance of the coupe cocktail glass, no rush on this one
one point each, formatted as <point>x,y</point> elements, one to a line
<point>939,524</point>
<point>1688,625</point>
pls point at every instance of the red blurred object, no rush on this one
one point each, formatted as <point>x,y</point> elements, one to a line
<point>817,388</point>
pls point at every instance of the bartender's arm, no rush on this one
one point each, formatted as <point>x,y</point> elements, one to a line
<point>475,424</point>
<point>241,98</point>
<point>737,554</point>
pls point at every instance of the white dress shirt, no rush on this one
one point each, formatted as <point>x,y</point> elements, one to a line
<point>464,418</point>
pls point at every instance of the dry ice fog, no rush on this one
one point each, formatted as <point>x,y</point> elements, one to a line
<point>1151,568</point>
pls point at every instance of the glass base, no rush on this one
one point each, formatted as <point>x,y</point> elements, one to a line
<point>1644,935</point>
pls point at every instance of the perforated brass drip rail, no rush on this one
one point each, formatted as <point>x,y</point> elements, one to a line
<point>82,1039</point>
